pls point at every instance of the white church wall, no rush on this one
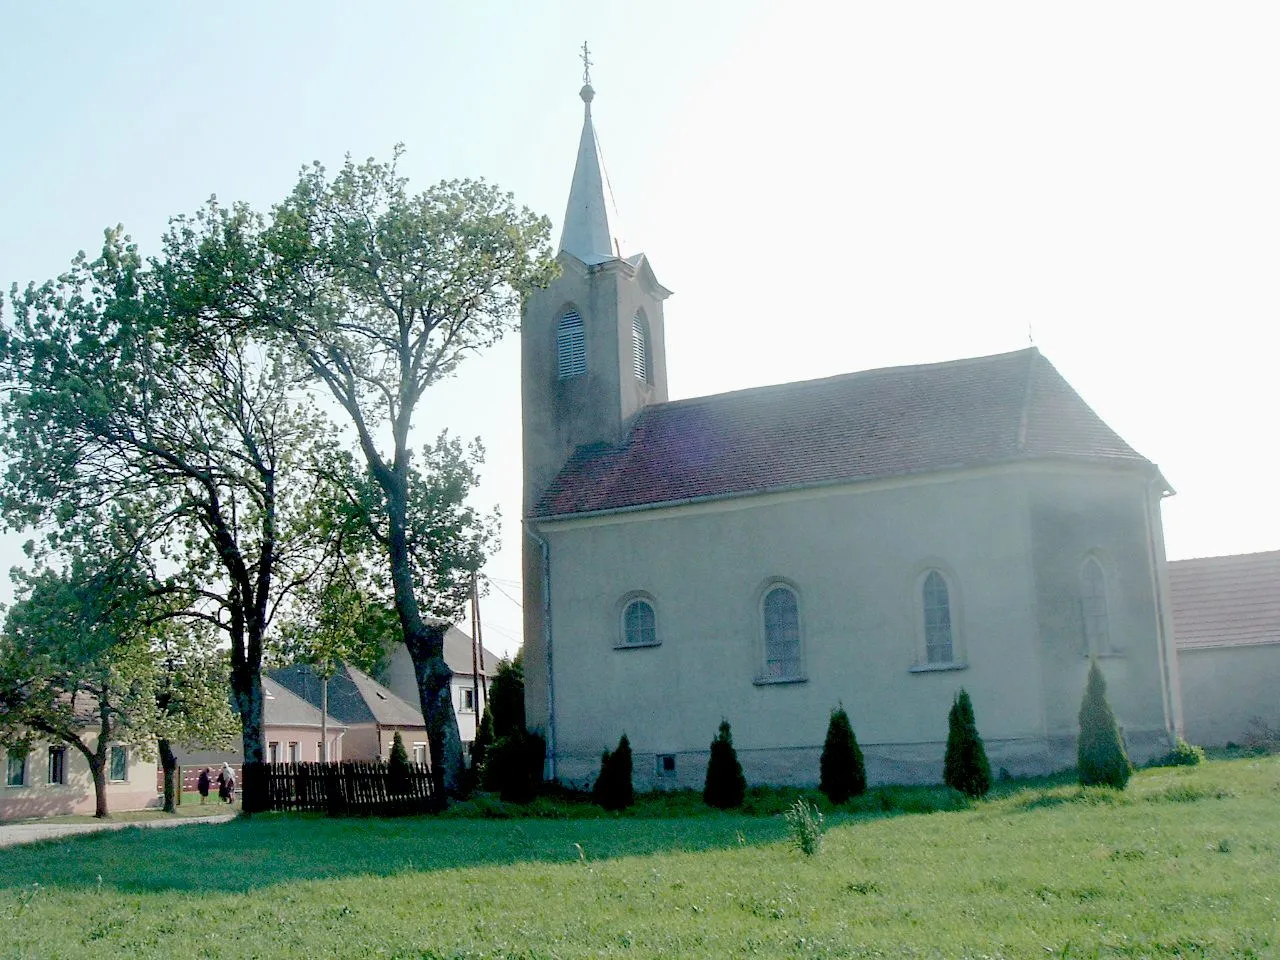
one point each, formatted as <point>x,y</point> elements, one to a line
<point>1095,513</point>
<point>855,556</point>
<point>1225,688</point>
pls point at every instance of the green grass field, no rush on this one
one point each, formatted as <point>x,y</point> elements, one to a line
<point>1186,863</point>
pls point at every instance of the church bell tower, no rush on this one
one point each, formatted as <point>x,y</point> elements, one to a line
<point>593,354</point>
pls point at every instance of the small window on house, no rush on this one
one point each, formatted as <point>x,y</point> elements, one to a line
<point>119,766</point>
<point>640,357</point>
<point>295,752</point>
<point>1093,607</point>
<point>468,700</point>
<point>571,346</point>
<point>781,614</point>
<point>419,753</point>
<point>15,773</point>
<point>665,765</point>
<point>273,752</point>
<point>938,645</point>
<point>57,764</point>
<point>639,623</point>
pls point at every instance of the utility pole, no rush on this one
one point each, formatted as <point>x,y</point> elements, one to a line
<point>475,648</point>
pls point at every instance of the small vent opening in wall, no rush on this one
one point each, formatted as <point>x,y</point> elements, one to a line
<point>666,764</point>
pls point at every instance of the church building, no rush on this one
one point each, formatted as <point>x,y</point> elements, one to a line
<point>876,540</point>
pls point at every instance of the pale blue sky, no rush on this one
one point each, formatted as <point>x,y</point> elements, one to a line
<point>826,188</point>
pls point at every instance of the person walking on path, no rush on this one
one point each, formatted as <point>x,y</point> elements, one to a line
<point>202,786</point>
<point>227,784</point>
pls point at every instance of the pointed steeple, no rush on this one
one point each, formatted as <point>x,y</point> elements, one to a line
<point>587,234</point>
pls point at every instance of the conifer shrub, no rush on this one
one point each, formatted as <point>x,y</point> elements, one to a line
<point>507,770</point>
<point>398,765</point>
<point>1101,757</point>
<point>484,739</point>
<point>965,767</point>
<point>725,786</point>
<point>843,773</point>
<point>613,789</point>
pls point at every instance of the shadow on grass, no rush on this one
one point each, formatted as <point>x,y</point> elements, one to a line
<point>272,849</point>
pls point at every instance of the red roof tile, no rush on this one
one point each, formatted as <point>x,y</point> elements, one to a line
<point>1226,601</point>
<point>873,424</point>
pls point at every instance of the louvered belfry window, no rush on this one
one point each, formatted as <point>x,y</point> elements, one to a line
<point>640,347</point>
<point>571,347</point>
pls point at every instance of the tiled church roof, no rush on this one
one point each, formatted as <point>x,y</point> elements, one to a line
<point>1226,601</point>
<point>873,424</point>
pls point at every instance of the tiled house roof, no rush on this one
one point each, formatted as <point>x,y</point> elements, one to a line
<point>873,424</point>
<point>1226,601</point>
<point>354,696</point>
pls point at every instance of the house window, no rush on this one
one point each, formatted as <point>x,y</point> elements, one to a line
<point>295,752</point>
<point>571,347</point>
<point>640,348</point>
<point>781,616</point>
<point>273,752</point>
<point>419,753</point>
<point>938,646</point>
<point>639,624</point>
<point>1093,606</point>
<point>57,764</point>
<point>119,765</point>
<point>665,764</point>
<point>468,700</point>
<point>15,774</point>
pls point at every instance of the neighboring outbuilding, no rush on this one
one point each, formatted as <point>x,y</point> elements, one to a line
<point>468,695</point>
<point>1226,620</point>
<point>371,714</point>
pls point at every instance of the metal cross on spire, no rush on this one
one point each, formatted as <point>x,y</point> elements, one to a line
<point>586,63</point>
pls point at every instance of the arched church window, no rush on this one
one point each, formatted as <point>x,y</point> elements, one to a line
<point>781,613</point>
<point>1093,607</point>
<point>938,646</point>
<point>571,346</point>
<point>639,625</point>
<point>640,348</point>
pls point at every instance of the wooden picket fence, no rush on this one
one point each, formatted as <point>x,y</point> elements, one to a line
<point>348,788</point>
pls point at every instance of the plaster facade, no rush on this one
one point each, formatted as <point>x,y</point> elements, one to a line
<point>1225,689</point>
<point>854,555</point>
<point>37,797</point>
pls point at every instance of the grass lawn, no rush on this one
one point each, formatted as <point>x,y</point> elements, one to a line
<point>1186,863</point>
<point>189,807</point>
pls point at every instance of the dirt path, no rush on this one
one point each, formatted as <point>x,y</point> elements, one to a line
<point>15,833</point>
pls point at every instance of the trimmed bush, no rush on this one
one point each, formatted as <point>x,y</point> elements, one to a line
<point>613,789</point>
<point>843,773</point>
<point>725,787</point>
<point>1101,757</point>
<point>965,768</point>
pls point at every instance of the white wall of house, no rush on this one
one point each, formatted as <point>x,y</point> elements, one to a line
<point>37,797</point>
<point>856,556</point>
<point>1225,688</point>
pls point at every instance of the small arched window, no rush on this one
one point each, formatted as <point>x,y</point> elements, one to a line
<point>781,612</point>
<point>1093,607</point>
<point>938,646</point>
<point>639,625</point>
<point>640,348</point>
<point>571,346</point>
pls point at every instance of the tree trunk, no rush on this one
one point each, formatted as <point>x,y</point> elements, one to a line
<point>98,770</point>
<point>169,763</point>
<point>247,689</point>
<point>425,642</point>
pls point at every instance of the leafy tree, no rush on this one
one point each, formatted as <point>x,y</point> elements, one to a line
<point>725,787</point>
<point>74,669</point>
<point>384,295</point>
<point>133,405</point>
<point>613,789</point>
<point>1101,756</point>
<point>513,760</point>
<point>965,767</point>
<point>191,695</point>
<point>843,773</point>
